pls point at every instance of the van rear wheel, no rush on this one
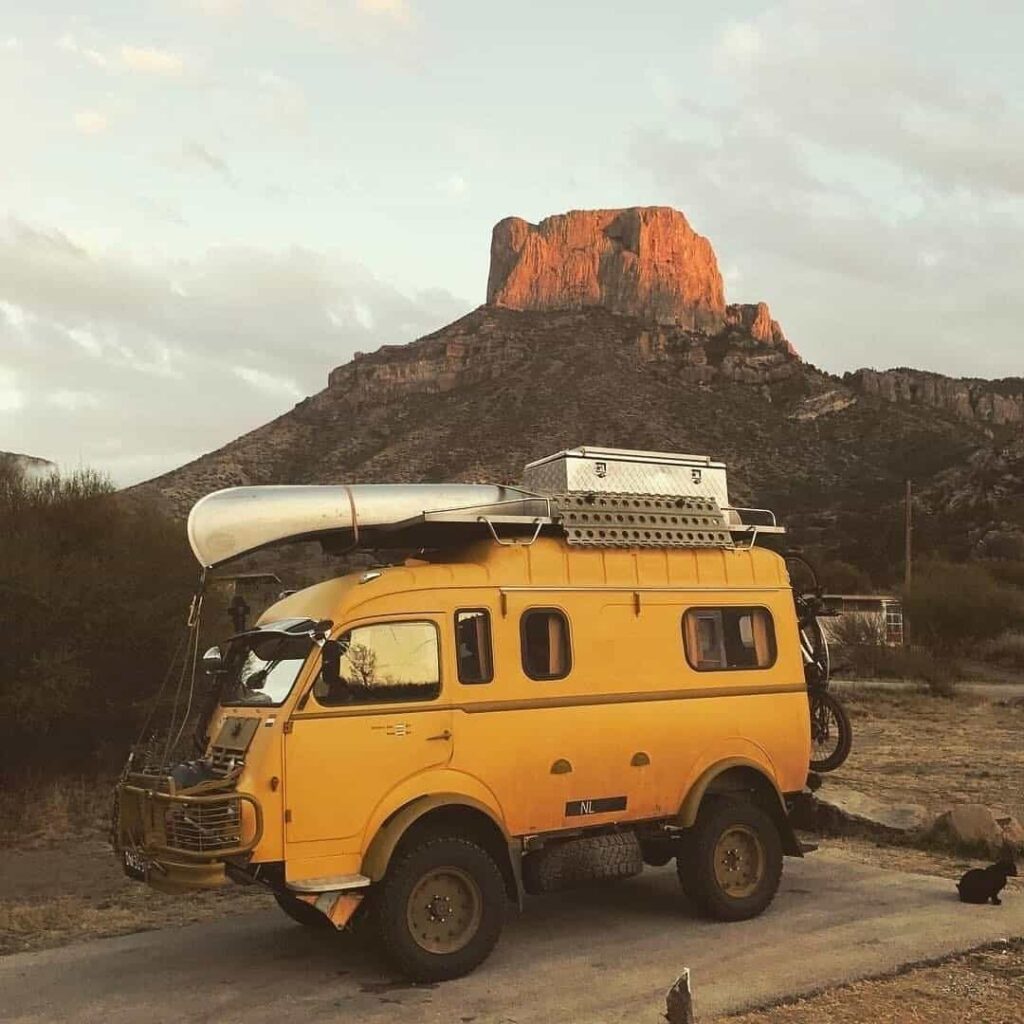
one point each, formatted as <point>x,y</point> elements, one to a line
<point>440,908</point>
<point>732,860</point>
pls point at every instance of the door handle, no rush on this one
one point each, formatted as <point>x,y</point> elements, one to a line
<point>446,735</point>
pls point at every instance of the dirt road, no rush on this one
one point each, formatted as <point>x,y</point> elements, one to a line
<point>600,955</point>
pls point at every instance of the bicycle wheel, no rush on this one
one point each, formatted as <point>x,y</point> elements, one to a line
<point>831,732</point>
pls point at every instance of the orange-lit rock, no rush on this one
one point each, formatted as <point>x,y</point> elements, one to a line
<point>645,262</point>
<point>755,319</point>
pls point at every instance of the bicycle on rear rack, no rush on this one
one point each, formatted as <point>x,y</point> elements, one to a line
<point>831,730</point>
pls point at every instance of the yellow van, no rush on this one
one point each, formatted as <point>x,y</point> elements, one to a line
<point>546,694</point>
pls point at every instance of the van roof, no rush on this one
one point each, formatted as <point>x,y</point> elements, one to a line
<point>547,564</point>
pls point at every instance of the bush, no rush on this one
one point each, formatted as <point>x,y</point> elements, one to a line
<point>1006,650</point>
<point>1005,570</point>
<point>914,664</point>
<point>92,592</point>
<point>839,577</point>
<point>853,630</point>
<point>954,608</point>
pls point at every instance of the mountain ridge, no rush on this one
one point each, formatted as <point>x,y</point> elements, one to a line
<point>500,386</point>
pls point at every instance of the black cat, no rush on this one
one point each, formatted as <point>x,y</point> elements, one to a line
<point>979,885</point>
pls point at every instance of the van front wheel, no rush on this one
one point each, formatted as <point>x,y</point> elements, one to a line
<point>441,908</point>
<point>732,861</point>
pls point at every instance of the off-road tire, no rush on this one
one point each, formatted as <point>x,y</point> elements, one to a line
<point>601,858</point>
<point>393,894</point>
<point>842,719</point>
<point>696,862</point>
<point>302,913</point>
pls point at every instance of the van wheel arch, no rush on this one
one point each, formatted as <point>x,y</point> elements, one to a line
<point>446,815</point>
<point>741,778</point>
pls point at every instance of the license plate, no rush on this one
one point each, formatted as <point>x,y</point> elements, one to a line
<point>135,865</point>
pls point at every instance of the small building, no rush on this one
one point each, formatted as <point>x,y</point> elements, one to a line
<point>880,614</point>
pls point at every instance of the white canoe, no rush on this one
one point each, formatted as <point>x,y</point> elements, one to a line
<point>233,522</point>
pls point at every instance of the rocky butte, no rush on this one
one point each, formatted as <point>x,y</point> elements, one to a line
<point>644,262</point>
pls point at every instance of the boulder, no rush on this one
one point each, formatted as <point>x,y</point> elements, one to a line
<point>844,811</point>
<point>976,826</point>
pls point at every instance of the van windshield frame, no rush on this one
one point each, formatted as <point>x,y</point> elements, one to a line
<point>262,665</point>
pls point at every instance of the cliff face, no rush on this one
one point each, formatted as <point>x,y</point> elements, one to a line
<point>999,403</point>
<point>645,262</point>
<point>492,342</point>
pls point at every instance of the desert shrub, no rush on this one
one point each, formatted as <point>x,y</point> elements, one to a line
<point>839,577</point>
<point>92,589</point>
<point>954,608</point>
<point>854,630</point>
<point>914,664</point>
<point>1005,570</point>
<point>1006,650</point>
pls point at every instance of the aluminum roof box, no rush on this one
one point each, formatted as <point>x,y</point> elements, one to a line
<point>622,471</point>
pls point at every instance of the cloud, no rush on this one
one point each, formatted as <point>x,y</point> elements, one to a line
<point>138,367</point>
<point>739,41</point>
<point>12,398</point>
<point>455,186</point>
<point>147,60</point>
<point>91,122</point>
<point>151,61</point>
<point>70,44</point>
<point>195,154</point>
<point>219,8</point>
<point>397,11</point>
<point>270,383</point>
<point>284,101</point>
<point>867,194</point>
<point>71,400</point>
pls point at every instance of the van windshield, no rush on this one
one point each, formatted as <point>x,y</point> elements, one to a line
<point>262,665</point>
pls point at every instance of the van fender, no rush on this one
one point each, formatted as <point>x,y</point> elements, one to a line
<point>387,830</point>
<point>775,806</point>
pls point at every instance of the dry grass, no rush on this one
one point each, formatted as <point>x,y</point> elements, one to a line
<point>914,748</point>
<point>984,987</point>
<point>55,921</point>
<point>35,811</point>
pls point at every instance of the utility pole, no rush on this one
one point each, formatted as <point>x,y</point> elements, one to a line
<point>907,556</point>
<point>908,531</point>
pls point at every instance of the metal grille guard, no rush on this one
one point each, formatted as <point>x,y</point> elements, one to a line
<point>145,812</point>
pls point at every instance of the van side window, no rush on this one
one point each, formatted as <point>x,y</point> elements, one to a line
<point>544,634</point>
<point>473,645</point>
<point>728,638</point>
<point>384,663</point>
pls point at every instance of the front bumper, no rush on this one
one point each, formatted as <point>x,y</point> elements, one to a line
<point>181,840</point>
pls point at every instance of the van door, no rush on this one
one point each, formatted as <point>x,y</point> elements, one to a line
<point>384,722</point>
<point>613,728</point>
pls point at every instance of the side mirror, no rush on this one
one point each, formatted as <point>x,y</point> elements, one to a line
<point>213,661</point>
<point>330,663</point>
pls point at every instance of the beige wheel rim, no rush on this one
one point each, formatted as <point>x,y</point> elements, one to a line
<point>444,910</point>
<point>739,861</point>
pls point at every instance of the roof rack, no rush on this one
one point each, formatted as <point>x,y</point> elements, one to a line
<point>592,497</point>
<point>588,519</point>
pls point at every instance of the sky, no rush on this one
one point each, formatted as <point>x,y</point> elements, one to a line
<point>205,205</point>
